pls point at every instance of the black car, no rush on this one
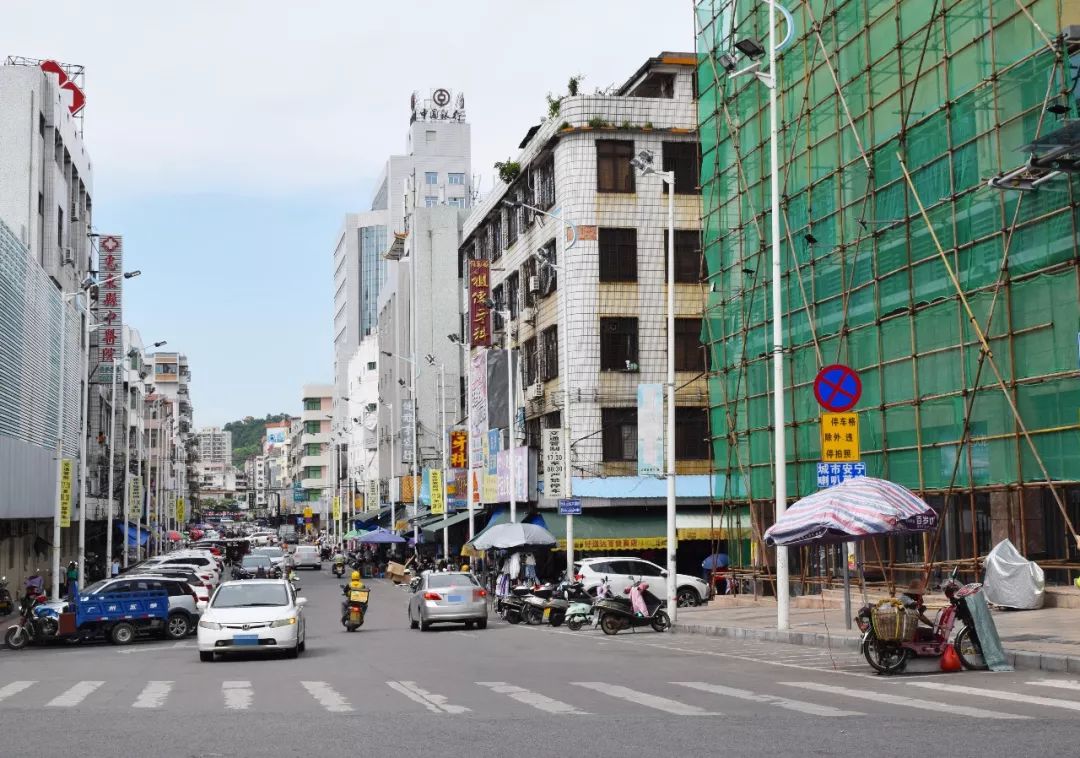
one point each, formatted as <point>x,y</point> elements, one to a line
<point>255,567</point>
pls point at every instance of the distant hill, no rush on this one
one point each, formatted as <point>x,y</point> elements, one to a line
<point>247,435</point>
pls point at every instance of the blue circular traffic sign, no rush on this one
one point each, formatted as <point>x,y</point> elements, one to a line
<point>837,388</point>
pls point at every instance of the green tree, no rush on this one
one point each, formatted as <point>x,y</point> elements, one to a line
<point>247,435</point>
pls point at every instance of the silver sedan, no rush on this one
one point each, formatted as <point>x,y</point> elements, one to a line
<point>448,597</point>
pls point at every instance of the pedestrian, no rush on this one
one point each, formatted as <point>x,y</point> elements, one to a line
<point>72,580</point>
<point>115,568</point>
<point>530,567</point>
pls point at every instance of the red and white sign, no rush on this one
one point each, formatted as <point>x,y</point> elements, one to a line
<point>479,312</point>
<point>78,98</point>
<point>108,310</point>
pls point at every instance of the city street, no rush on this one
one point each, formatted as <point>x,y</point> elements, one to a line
<point>389,690</point>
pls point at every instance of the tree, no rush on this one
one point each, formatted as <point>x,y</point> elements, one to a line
<point>247,435</point>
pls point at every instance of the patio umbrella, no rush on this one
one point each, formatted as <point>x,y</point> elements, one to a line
<point>513,535</point>
<point>380,537</point>
<point>852,510</point>
<point>173,536</point>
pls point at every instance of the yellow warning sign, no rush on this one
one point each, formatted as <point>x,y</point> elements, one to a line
<point>839,437</point>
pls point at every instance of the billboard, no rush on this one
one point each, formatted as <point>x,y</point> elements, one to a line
<point>479,311</point>
<point>275,435</point>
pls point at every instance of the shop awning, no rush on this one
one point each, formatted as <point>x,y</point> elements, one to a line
<point>609,532</point>
<point>133,534</point>
<point>437,526</point>
<point>720,525</point>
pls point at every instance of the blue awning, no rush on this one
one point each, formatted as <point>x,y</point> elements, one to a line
<point>133,533</point>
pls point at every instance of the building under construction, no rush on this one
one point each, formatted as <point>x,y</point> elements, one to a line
<point>928,219</point>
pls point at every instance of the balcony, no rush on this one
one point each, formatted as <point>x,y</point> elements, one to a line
<point>314,484</point>
<point>316,415</point>
<point>315,460</point>
<point>322,438</point>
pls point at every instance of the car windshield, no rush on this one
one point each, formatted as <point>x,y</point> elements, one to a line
<point>95,587</point>
<point>307,549</point>
<point>247,595</point>
<point>272,552</point>
<point>254,561</point>
<point>451,580</point>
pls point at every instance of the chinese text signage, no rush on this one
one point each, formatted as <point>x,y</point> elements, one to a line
<point>830,474</point>
<point>459,449</point>
<point>108,309</point>
<point>554,464</point>
<point>438,495</point>
<point>479,312</point>
<point>65,492</point>
<point>839,437</point>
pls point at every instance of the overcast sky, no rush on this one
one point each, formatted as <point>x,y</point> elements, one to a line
<point>229,137</point>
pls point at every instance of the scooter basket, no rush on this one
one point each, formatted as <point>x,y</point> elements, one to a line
<point>893,622</point>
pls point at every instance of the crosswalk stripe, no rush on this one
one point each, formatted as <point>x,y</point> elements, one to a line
<point>15,688</point>
<point>75,695</point>
<point>328,697</point>
<point>433,702</point>
<point>238,695</point>
<point>1061,684</point>
<point>910,702</point>
<point>644,698</point>
<point>535,699</point>
<point>1012,697</point>
<point>781,702</point>
<point>153,695</point>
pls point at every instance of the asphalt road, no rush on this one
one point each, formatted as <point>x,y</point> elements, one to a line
<point>512,690</point>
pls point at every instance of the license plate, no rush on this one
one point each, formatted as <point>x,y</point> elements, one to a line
<point>245,639</point>
<point>455,598</point>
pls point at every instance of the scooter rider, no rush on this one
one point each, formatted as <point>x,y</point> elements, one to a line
<point>354,584</point>
<point>339,562</point>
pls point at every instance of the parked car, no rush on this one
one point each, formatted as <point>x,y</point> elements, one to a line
<point>250,566</point>
<point>307,556</point>
<point>201,583</point>
<point>263,615</point>
<point>275,554</point>
<point>448,597</point>
<point>183,602</point>
<point>186,559</point>
<point>622,571</point>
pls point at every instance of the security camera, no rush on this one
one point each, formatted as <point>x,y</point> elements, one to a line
<point>728,62</point>
<point>88,282</point>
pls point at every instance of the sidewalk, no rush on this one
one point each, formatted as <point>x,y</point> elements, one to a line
<point>1047,639</point>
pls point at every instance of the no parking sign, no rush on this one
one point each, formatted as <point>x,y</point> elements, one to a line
<point>837,388</point>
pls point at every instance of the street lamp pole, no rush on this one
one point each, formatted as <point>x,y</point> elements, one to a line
<point>442,436</point>
<point>644,163</point>
<point>112,470</point>
<point>60,384</point>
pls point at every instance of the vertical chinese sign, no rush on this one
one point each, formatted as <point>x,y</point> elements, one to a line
<point>438,500</point>
<point>108,309</point>
<point>459,449</point>
<point>66,466</point>
<point>479,312</point>
<point>478,408</point>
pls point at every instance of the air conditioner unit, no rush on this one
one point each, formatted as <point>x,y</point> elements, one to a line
<point>69,258</point>
<point>528,314</point>
<point>534,284</point>
<point>534,392</point>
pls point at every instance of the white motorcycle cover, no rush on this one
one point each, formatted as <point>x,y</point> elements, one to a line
<point>1011,580</point>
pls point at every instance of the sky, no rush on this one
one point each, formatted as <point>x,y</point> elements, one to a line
<point>230,137</point>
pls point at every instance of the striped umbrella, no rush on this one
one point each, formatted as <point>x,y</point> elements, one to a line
<point>854,509</point>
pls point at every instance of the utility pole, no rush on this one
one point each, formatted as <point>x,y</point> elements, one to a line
<point>112,468</point>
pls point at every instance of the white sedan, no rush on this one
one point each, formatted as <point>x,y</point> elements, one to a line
<point>256,614</point>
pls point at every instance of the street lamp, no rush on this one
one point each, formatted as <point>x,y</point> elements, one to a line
<point>562,265</point>
<point>469,492</point>
<point>643,162</point>
<point>442,438</point>
<point>753,50</point>
<point>415,445</point>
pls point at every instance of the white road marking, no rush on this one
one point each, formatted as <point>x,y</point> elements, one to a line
<point>15,688</point>
<point>238,695</point>
<point>644,698</point>
<point>1012,697</point>
<point>1061,684</point>
<point>433,702</point>
<point>535,699</point>
<point>152,648</point>
<point>910,702</point>
<point>75,695</point>
<point>781,702</point>
<point>327,696</point>
<point>153,695</point>
<point>467,634</point>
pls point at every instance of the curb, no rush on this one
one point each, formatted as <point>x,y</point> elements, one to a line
<point>1019,659</point>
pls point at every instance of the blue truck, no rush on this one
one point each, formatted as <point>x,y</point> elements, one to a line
<point>117,616</point>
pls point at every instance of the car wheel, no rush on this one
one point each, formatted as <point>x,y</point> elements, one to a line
<point>122,634</point>
<point>293,652</point>
<point>687,597</point>
<point>424,626</point>
<point>481,623</point>
<point>302,646</point>
<point>178,626</point>
<point>206,657</point>
<point>413,624</point>
<point>469,625</point>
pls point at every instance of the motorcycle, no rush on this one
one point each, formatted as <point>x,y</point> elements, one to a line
<point>32,625</point>
<point>641,608</point>
<point>6,606</point>
<point>892,656</point>
<point>580,610</point>
<point>354,608</point>
<point>339,568</point>
<point>537,603</point>
<point>513,607</point>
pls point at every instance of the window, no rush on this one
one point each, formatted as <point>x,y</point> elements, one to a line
<point>313,448</point>
<point>431,201</point>
<point>689,353</point>
<point>549,276</point>
<point>682,158</point>
<point>544,185</point>
<point>456,178</point>
<point>431,177</point>
<point>456,202</point>
<point>312,472</point>
<point>549,354</point>
<point>513,294</point>
<point>687,256</point>
<point>619,433</point>
<point>692,434</point>
<point>429,136</point>
<point>371,366</point>
<point>498,296</point>
<point>618,344</point>
<point>531,364</point>
<point>312,404</point>
<point>618,255</point>
<point>312,427</point>
<point>613,170</point>
<point>641,568</point>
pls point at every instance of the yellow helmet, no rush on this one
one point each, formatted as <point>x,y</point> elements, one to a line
<point>355,576</point>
